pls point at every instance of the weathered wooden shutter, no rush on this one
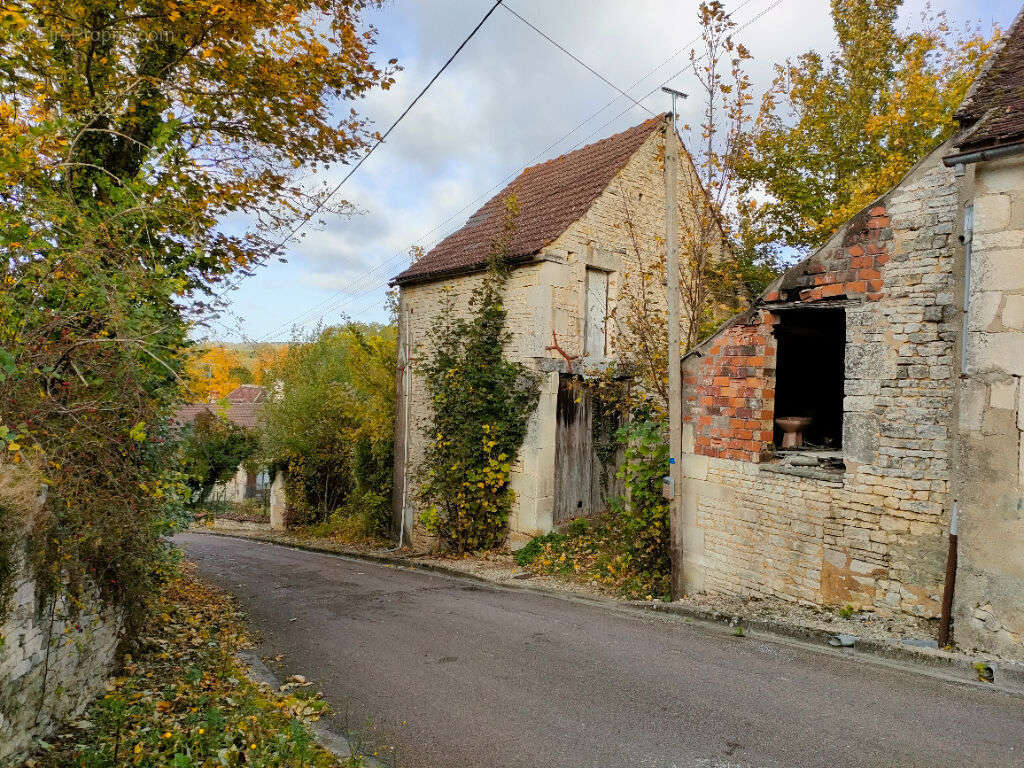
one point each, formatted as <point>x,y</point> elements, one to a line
<point>595,344</point>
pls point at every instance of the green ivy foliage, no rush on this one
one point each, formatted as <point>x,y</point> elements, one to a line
<point>481,405</point>
<point>642,513</point>
<point>627,547</point>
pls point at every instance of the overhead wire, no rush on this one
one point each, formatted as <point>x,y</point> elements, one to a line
<point>349,298</point>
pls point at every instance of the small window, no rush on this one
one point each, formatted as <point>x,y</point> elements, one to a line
<point>810,379</point>
<point>595,345</point>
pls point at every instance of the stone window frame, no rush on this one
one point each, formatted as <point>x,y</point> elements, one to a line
<point>608,260</point>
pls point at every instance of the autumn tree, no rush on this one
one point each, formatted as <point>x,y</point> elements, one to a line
<point>213,372</point>
<point>718,273</point>
<point>836,130</point>
<point>330,423</point>
<point>129,131</point>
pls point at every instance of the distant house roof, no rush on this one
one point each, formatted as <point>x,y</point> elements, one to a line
<point>243,407</point>
<point>551,196</point>
<point>992,113</point>
<point>247,393</point>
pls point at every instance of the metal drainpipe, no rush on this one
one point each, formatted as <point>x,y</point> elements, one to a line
<point>968,247</point>
<point>983,154</point>
<point>954,523</point>
<point>947,591</point>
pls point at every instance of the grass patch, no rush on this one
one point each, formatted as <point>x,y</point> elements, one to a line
<point>185,701</point>
<point>248,511</point>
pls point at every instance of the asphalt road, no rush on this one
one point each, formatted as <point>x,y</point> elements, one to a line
<point>455,673</point>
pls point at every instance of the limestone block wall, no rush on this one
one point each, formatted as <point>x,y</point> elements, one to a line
<point>989,607</point>
<point>51,665</point>
<point>873,535</point>
<point>232,490</point>
<point>528,303</point>
<point>622,233</point>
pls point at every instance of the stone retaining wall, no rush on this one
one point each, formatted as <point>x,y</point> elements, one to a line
<point>51,666</point>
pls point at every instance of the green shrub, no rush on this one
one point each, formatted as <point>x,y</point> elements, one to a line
<point>627,548</point>
<point>331,423</point>
<point>642,513</point>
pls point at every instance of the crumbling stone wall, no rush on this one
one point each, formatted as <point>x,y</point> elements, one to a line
<point>51,666</point>
<point>873,534</point>
<point>989,607</point>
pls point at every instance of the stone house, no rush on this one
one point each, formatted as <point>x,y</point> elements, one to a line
<point>901,340</point>
<point>571,254</point>
<point>242,409</point>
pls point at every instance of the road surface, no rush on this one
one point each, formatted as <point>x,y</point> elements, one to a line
<point>450,672</point>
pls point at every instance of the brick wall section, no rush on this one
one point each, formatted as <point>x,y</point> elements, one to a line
<point>874,535</point>
<point>735,383</point>
<point>851,268</point>
<point>735,393</point>
<point>59,684</point>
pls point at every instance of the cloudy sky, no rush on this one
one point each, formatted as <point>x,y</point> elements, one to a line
<point>509,100</point>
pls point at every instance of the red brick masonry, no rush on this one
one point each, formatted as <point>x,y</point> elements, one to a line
<point>853,270</point>
<point>730,397</point>
<point>735,393</point>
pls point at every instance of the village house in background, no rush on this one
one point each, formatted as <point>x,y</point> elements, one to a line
<point>571,251</point>
<point>242,409</point>
<point>872,398</point>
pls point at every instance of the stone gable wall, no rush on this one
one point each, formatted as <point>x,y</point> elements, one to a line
<point>872,535</point>
<point>49,672</point>
<point>622,233</point>
<point>528,301</point>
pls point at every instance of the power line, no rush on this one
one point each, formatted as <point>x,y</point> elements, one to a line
<point>346,290</point>
<point>394,125</point>
<point>575,58</point>
<point>319,206</point>
<point>350,298</point>
<point>655,89</point>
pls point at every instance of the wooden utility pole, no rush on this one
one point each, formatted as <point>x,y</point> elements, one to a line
<point>675,389</point>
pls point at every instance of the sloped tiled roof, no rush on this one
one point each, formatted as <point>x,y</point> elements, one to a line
<point>243,407</point>
<point>242,414</point>
<point>247,393</point>
<point>551,196</point>
<point>992,113</point>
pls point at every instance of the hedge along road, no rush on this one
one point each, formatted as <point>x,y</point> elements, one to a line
<point>457,673</point>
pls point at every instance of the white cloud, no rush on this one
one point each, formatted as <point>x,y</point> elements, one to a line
<point>508,96</point>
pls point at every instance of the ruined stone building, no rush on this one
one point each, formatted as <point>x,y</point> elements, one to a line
<point>900,343</point>
<point>572,252</point>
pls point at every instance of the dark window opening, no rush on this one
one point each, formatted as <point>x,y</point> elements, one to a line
<point>810,377</point>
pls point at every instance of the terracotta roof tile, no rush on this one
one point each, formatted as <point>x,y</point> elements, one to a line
<point>247,393</point>
<point>242,414</point>
<point>992,113</point>
<point>551,196</point>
